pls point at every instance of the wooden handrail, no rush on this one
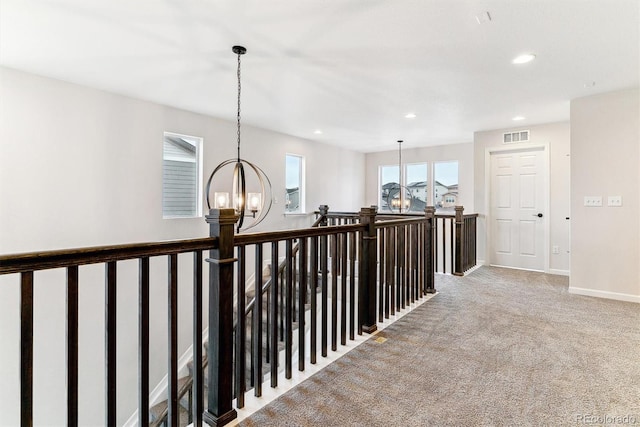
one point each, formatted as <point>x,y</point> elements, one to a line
<point>34,261</point>
<point>270,236</point>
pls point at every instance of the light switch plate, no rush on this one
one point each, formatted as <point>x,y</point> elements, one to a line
<point>593,201</point>
<point>614,201</point>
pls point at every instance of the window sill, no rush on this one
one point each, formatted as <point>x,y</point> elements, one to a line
<point>296,214</point>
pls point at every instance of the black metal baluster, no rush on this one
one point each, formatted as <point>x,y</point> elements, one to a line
<point>72,345</point>
<point>288,336</point>
<point>352,285</point>
<point>274,314</point>
<point>110,343</point>
<point>334,292</point>
<point>343,289</point>
<point>198,376</point>
<point>381,274</point>
<point>402,250</point>
<point>324,291</point>
<point>143,341</point>
<point>396,270</point>
<point>257,325</point>
<point>387,269</point>
<point>313,299</point>
<point>302,297</point>
<point>416,264</point>
<point>173,416</point>
<point>26,349</point>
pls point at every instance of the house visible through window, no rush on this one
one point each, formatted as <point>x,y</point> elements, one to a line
<point>416,183</point>
<point>411,190</point>
<point>181,177</point>
<point>445,186</point>
<point>294,185</point>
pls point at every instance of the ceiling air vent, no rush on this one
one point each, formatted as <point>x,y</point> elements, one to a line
<point>515,137</point>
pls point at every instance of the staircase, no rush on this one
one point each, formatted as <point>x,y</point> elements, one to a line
<point>158,412</point>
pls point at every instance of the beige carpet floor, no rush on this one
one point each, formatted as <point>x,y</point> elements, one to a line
<point>496,348</point>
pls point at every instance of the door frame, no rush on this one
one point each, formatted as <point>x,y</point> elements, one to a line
<point>545,183</point>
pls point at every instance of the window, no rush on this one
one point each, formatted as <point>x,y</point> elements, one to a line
<point>389,186</point>
<point>416,183</point>
<point>414,194</point>
<point>181,177</point>
<point>445,185</point>
<point>294,185</point>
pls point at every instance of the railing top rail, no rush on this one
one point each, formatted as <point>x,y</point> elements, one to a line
<point>33,261</point>
<point>338,213</point>
<point>273,236</point>
<point>404,221</point>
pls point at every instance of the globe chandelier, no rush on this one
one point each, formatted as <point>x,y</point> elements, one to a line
<point>255,205</point>
<point>399,198</point>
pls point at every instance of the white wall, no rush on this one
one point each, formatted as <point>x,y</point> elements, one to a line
<point>605,160</point>
<point>556,135</point>
<point>82,167</point>
<point>463,153</point>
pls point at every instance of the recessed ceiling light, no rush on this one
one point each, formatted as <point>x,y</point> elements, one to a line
<point>523,59</point>
<point>589,84</point>
<point>411,115</point>
<point>317,132</point>
<point>516,118</point>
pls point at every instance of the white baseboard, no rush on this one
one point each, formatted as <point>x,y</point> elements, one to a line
<point>559,272</point>
<point>604,294</point>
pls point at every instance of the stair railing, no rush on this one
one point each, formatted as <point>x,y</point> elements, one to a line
<point>335,274</point>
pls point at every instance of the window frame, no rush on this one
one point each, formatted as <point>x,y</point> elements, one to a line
<point>197,143</point>
<point>402,178</point>
<point>301,210</point>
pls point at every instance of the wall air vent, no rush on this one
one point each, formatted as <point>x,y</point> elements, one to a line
<point>515,137</point>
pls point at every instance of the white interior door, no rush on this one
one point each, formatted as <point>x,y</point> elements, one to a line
<point>517,209</point>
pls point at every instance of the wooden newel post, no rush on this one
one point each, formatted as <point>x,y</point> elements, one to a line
<point>458,266</point>
<point>429,245</point>
<point>324,210</point>
<point>367,280</point>
<point>220,346</point>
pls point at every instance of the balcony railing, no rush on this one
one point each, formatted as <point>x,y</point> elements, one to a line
<point>331,282</point>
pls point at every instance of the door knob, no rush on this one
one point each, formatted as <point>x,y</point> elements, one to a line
<point>539,215</point>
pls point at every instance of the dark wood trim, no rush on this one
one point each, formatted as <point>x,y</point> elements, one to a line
<point>324,290</point>
<point>367,275</point>
<point>241,327</point>
<point>288,309</point>
<point>273,312</point>
<point>334,291</point>
<point>271,236</point>
<point>143,341</point>
<point>26,349</point>
<point>197,402</point>
<point>34,261</point>
<point>256,327</point>
<point>173,416</point>
<point>110,344</point>
<point>72,345</point>
<point>313,296</point>
<point>220,359</point>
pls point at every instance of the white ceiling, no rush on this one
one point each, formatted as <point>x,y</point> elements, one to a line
<point>352,68</point>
